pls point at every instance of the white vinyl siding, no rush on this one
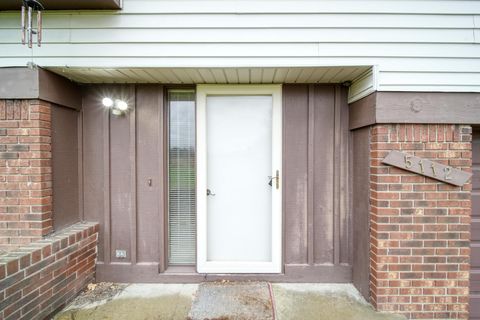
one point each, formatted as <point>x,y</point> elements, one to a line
<point>413,45</point>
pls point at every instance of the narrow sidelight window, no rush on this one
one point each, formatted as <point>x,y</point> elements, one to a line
<point>181,177</point>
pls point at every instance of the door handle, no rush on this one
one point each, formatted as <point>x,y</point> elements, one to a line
<point>210,193</point>
<point>277,180</point>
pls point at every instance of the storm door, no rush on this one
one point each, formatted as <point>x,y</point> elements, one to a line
<point>239,179</point>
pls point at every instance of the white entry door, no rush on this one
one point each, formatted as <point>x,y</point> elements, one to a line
<point>239,130</point>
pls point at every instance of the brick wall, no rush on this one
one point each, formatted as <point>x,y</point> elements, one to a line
<point>38,279</point>
<point>419,226</point>
<point>25,172</point>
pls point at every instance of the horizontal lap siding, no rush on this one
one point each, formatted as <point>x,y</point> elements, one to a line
<point>259,33</point>
<point>416,45</point>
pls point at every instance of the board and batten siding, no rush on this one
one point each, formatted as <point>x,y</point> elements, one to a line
<point>413,45</point>
<point>124,185</point>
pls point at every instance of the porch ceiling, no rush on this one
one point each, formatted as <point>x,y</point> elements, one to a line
<point>213,75</point>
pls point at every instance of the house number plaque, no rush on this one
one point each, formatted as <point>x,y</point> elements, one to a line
<point>427,168</point>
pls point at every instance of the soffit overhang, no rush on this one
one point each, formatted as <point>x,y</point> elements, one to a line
<point>254,75</point>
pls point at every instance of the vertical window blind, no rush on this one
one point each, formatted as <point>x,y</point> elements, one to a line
<point>181,177</point>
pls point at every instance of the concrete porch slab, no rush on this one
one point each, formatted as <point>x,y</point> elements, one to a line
<point>131,302</point>
<point>222,301</point>
<point>233,300</point>
<point>323,301</point>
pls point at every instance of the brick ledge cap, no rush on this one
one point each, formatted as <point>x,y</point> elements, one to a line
<point>77,228</point>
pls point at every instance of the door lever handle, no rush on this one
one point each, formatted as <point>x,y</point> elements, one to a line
<point>277,180</point>
<point>270,179</point>
<point>210,193</point>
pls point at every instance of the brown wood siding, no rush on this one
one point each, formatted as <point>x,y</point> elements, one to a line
<point>121,157</point>
<point>65,166</point>
<point>150,163</point>
<point>37,83</point>
<point>362,112</point>
<point>360,211</point>
<point>322,174</point>
<point>122,153</point>
<point>316,172</point>
<point>96,175</point>
<point>475,230</point>
<point>295,140</point>
<point>415,107</point>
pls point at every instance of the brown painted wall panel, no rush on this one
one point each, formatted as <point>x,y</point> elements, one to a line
<point>295,173</point>
<point>37,83</point>
<point>65,166</point>
<point>122,176</point>
<point>362,112</point>
<point>150,200</point>
<point>360,209</point>
<point>19,83</point>
<point>343,183</point>
<point>323,141</point>
<point>428,107</point>
<point>316,155</point>
<point>122,154</point>
<point>416,107</point>
<point>95,185</point>
<point>58,89</point>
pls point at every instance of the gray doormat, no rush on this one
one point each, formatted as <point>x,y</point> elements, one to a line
<point>232,300</point>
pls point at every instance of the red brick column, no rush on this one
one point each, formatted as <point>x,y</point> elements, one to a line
<point>25,172</point>
<point>419,254</point>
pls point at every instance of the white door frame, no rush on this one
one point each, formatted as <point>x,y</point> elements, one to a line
<point>204,266</point>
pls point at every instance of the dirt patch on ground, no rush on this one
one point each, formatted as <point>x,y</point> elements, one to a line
<point>252,300</point>
<point>97,292</point>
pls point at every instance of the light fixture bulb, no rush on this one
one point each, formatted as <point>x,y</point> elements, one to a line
<point>121,105</point>
<point>107,102</point>
<point>116,112</point>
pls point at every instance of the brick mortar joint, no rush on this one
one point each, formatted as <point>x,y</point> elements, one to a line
<point>65,234</point>
<point>442,143</point>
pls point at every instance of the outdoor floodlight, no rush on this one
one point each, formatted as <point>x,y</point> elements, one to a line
<point>117,106</point>
<point>107,102</point>
<point>121,105</point>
